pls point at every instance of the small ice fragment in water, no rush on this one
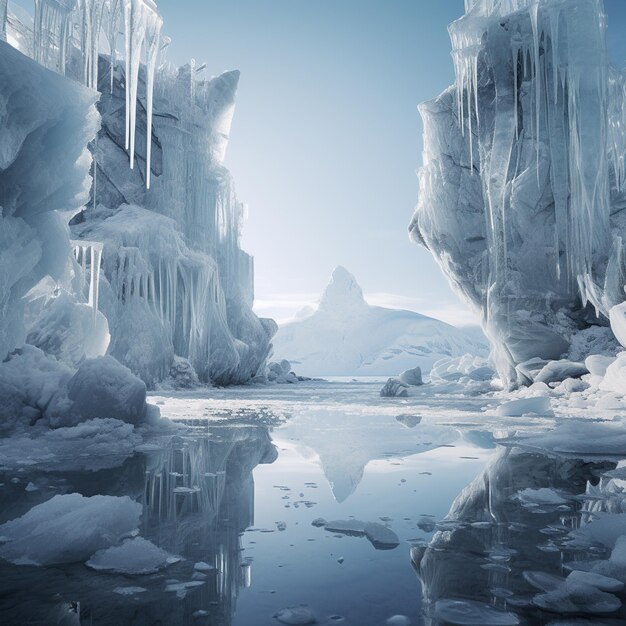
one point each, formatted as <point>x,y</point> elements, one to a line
<point>200,613</point>
<point>201,566</point>
<point>134,556</point>
<point>129,591</point>
<point>296,616</point>
<point>318,522</point>
<point>526,406</point>
<point>31,487</point>
<point>398,620</point>
<point>340,560</point>
<point>281,526</point>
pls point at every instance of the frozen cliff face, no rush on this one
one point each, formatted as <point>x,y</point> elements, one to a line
<point>521,192</point>
<point>175,280</point>
<point>46,122</point>
<point>346,336</point>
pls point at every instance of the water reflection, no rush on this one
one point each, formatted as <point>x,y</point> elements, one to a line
<point>518,518</point>
<point>198,497</point>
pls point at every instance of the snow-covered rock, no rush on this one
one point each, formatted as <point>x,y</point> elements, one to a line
<point>394,388</point>
<point>104,388</point>
<point>412,377</point>
<point>68,529</point>
<point>346,336</point>
<point>523,177</point>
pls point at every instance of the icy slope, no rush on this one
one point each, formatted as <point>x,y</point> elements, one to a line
<point>348,337</point>
<point>522,188</point>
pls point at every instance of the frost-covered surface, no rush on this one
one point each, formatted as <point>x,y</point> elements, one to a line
<point>348,337</point>
<point>522,185</point>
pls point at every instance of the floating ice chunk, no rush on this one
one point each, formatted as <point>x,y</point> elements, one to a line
<point>394,388</point>
<point>381,537</point>
<point>129,591</point>
<point>558,371</point>
<point>68,529</point>
<point>412,377</point>
<point>181,589</point>
<point>296,616</point>
<point>103,387</point>
<point>526,406</point>
<point>426,524</point>
<point>597,364</point>
<point>410,421</point>
<point>281,526</point>
<point>398,620</point>
<point>201,566</point>
<point>319,522</point>
<point>31,487</point>
<point>604,583</point>
<point>471,613</point>
<point>134,556</point>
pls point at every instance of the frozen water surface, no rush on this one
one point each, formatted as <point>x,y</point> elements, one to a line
<point>280,504</point>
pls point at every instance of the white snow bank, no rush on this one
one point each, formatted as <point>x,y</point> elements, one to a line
<point>105,388</point>
<point>134,556</point>
<point>68,529</point>
<point>526,406</point>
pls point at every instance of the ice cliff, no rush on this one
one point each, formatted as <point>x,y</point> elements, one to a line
<point>346,336</point>
<point>129,150</point>
<point>522,186</point>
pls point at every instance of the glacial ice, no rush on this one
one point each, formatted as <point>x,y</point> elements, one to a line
<point>523,175</point>
<point>68,529</point>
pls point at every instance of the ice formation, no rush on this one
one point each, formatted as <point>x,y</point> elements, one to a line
<point>346,336</point>
<point>153,274</point>
<point>522,188</point>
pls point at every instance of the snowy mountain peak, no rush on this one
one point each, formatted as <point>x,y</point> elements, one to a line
<point>343,291</point>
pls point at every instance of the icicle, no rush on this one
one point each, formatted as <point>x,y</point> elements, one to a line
<point>152,46</point>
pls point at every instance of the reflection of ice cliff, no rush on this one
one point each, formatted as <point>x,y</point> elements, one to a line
<point>513,518</point>
<point>197,495</point>
<point>345,443</point>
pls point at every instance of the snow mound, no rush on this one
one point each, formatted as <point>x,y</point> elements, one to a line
<point>526,406</point>
<point>346,336</point>
<point>134,556</point>
<point>68,529</point>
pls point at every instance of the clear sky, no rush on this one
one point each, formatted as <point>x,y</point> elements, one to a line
<point>326,136</point>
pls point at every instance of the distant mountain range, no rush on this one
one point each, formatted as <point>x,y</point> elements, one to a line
<point>346,336</point>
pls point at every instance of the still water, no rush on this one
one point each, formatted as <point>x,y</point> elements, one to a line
<point>358,517</point>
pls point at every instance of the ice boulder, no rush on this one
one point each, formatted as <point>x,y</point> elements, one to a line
<point>394,388</point>
<point>597,364</point>
<point>68,529</point>
<point>103,387</point>
<point>615,376</point>
<point>33,387</point>
<point>70,331</point>
<point>526,406</point>
<point>280,372</point>
<point>558,371</point>
<point>182,375</point>
<point>412,377</point>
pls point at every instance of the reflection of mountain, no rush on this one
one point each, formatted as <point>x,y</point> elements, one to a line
<point>198,496</point>
<point>490,538</point>
<point>345,443</point>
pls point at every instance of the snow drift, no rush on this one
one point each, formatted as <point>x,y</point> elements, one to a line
<point>522,188</point>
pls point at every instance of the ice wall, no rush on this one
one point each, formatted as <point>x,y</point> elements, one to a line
<point>522,185</point>
<point>175,280</point>
<point>46,122</point>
